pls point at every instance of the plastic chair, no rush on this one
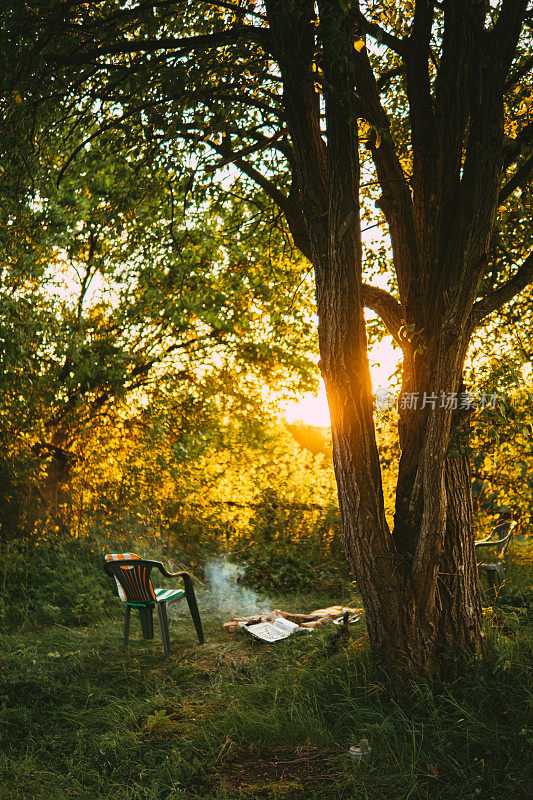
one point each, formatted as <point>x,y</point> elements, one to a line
<point>499,542</point>
<point>134,585</point>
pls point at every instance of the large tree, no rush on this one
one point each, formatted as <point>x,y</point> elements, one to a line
<point>285,91</point>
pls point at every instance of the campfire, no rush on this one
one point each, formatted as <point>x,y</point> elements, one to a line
<point>275,625</point>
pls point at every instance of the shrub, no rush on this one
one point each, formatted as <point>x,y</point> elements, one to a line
<point>53,582</point>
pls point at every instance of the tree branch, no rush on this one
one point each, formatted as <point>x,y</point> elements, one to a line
<point>108,126</point>
<point>386,77</point>
<point>239,11</point>
<point>286,203</point>
<point>124,15</point>
<point>520,178</point>
<point>421,105</point>
<point>184,44</point>
<point>378,300</point>
<point>93,242</point>
<point>234,156</point>
<point>524,139</point>
<point>249,102</point>
<point>496,299</point>
<point>520,72</point>
<point>506,31</point>
<point>381,35</point>
<point>387,307</point>
<point>395,202</point>
<point>278,141</point>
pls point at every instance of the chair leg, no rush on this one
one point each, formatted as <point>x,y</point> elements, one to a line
<point>127,613</point>
<point>147,622</point>
<point>500,579</point>
<point>494,584</point>
<point>483,593</point>
<point>163,626</point>
<point>193,608</point>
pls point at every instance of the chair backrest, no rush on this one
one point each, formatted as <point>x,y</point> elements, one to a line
<point>132,576</point>
<point>502,534</point>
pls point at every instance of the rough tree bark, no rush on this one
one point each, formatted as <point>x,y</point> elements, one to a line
<point>459,625</point>
<point>418,583</point>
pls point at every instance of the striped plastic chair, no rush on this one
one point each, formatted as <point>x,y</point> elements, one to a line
<point>134,587</point>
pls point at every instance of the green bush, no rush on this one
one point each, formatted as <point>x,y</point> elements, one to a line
<point>59,582</point>
<point>293,549</point>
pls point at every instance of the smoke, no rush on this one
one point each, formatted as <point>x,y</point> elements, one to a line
<point>223,592</point>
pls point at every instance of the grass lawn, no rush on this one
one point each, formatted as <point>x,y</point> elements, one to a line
<point>83,718</point>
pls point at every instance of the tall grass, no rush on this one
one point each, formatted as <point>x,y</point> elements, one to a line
<point>82,718</point>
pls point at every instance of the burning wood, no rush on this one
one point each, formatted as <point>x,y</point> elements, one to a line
<point>278,624</point>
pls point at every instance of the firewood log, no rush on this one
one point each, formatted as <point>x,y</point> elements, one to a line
<point>231,627</point>
<point>316,623</point>
<point>297,618</point>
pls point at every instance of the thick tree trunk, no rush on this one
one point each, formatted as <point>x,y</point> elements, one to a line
<point>49,497</point>
<point>414,637</point>
<point>431,619</point>
<point>54,490</point>
<point>459,615</point>
<point>446,594</point>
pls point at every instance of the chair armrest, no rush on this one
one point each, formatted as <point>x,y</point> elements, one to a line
<point>168,574</point>
<point>491,542</point>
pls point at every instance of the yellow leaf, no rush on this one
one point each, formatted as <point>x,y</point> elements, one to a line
<point>359,45</point>
<point>18,98</point>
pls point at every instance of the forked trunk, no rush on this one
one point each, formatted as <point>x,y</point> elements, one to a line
<point>421,592</point>
<point>416,639</point>
<point>418,582</point>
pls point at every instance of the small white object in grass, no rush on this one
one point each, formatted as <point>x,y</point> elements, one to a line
<point>361,752</point>
<point>273,631</point>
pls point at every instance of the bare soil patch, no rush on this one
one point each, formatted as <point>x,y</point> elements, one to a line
<point>294,768</point>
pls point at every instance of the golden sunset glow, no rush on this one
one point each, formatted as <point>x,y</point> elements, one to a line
<point>310,409</point>
<point>383,358</point>
<point>313,409</point>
